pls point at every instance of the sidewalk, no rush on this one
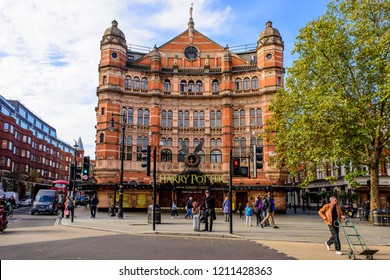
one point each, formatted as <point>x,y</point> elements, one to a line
<point>300,235</point>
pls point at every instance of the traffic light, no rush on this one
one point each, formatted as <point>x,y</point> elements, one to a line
<point>78,173</point>
<point>236,166</point>
<point>86,165</point>
<point>146,157</point>
<point>239,170</point>
<point>258,158</point>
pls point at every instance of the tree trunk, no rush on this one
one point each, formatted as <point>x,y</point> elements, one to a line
<point>374,190</point>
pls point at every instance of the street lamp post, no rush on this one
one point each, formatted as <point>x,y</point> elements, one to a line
<point>75,146</point>
<point>121,190</point>
<point>120,210</point>
<point>231,193</point>
<point>154,187</point>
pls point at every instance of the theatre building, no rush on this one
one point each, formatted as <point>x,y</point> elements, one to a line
<point>194,102</point>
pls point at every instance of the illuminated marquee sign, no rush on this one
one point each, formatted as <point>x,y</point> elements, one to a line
<point>191,181</point>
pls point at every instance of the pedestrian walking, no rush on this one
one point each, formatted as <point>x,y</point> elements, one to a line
<point>196,218</point>
<point>68,207</point>
<point>226,205</point>
<point>258,210</point>
<point>174,212</point>
<point>94,203</point>
<point>248,215</point>
<point>189,209</point>
<point>331,214</point>
<point>367,210</point>
<point>240,211</point>
<point>269,205</point>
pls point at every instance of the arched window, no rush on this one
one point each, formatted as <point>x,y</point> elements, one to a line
<point>180,156</point>
<point>216,156</point>
<point>212,118</point>
<point>186,119</point>
<point>236,118</point>
<point>128,82</point>
<point>144,84</point>
<point>201,119</point>
<point>256,117</point>
<point>170,118</point>
<point>167,86</point>
<point>140,120</point>
<point>199,87</point>
<point>130,116</point>
<point>136,83</point>
<point>166,155</point>
<point>169,142</point>
<point>191,87</point>
<point>101,138</point>
<point>198,120</point>
<point>164,118</point>
<point>163,141</point>
<point>219,119</point>
<point>255,83</point>
<point>187,141</point>
<point>123,115</point>
<point>242,118</point>
<point>215,119</point>
<point>183,86</point>
<point>128,148</point>
<point>183,119</point>
<point>146,117</point>
<point>215,86</point>
<point>238,84</point>
<point>180,118</point>
<point>143,117</point>
<point>247,84</point>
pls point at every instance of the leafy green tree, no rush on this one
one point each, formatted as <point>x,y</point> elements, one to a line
<point>335,104</point>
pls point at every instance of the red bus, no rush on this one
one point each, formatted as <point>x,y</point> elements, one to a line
<point>62,187</point>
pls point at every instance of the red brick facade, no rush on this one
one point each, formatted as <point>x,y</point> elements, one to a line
<point>193,89</point>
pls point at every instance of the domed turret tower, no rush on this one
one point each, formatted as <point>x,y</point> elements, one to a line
<point>113,47</point>
<point>270,56</point>
<point>113,60</point>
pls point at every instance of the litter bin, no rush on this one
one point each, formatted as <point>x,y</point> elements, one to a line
<point>377,217</point>
<point>386,217</point>
<point>150,214</point>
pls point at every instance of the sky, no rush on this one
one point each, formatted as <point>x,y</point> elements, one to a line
<point>50,50</point>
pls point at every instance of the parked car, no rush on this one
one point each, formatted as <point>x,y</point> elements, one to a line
<point>26,202</point>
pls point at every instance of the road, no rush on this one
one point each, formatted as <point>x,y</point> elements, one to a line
<point>38,238</point>
<point>22,218</point>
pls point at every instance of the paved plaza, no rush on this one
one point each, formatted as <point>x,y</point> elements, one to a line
<point>300,235</point>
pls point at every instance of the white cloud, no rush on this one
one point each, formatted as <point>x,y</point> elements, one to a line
<point>50,50</point>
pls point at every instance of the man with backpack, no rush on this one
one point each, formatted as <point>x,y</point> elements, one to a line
<point>269,205</point>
